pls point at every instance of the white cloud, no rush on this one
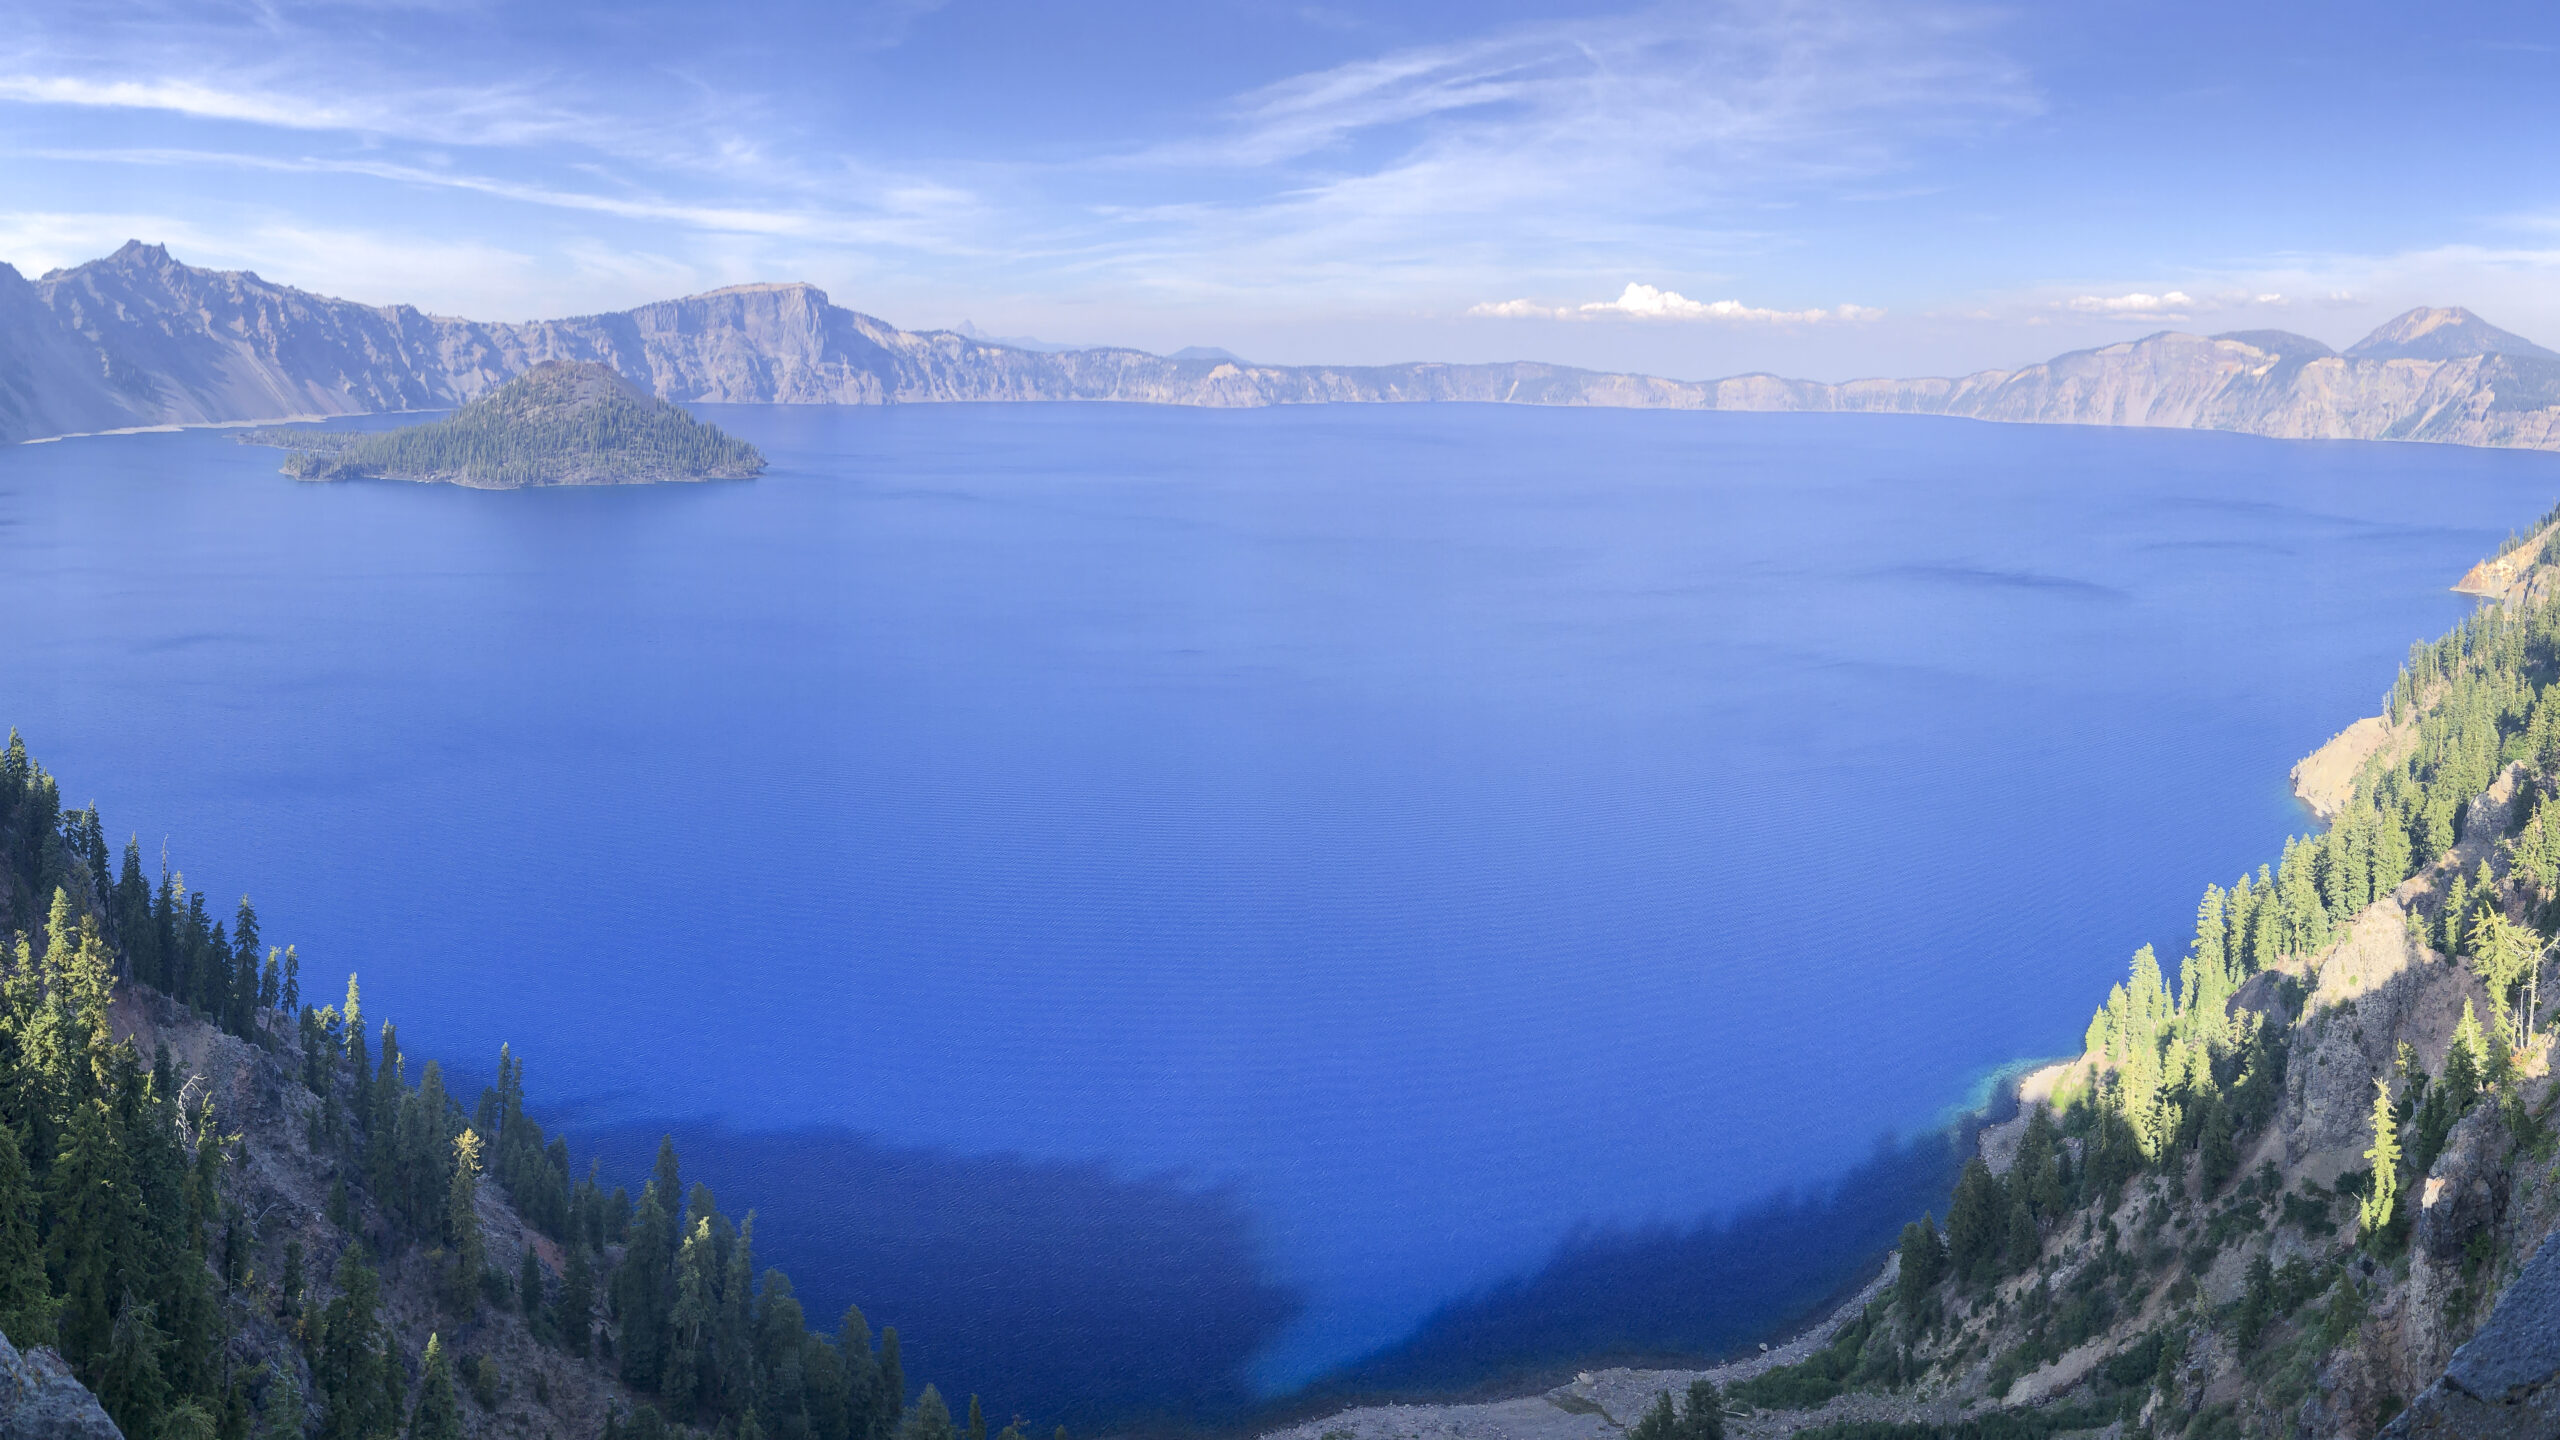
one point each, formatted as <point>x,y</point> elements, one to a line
<point>1646,302</point>
<point>2163,305</point>
<point>1518,310</point>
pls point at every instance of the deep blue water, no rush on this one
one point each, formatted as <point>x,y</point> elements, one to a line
<point>1160,904</point>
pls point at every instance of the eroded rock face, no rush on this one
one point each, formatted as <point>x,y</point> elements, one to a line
<point>2466,1190</point>
<point>2505,1383</point>
<point>40,1401</point>
<point>2461,1199</point>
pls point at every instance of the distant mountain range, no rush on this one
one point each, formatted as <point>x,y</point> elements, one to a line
<point>139,339</point>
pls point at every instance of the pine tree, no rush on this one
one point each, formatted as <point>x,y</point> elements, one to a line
<point>670,1184</point>
<point>577,1301</point>
<point>358,1383</point>
<point>280,1412</point>
<point>462,1204</point>
<point>687,1346</point>
<point>862,1379</point>
<point>1659,1422</point>
<point>88,1207</point>
<point>1923,1259</point>
<point>1975,1223</point>
<point>439,1414</point>
<point>2464,1061</point>
<point>1702,1416</point>
<point>733,1336</point>
<point>931,1419</point>
<point>977,1420</point>
<point>241,1005</point>
<point>891,1396</point>
<point>641,1290</point>
<point>2218,1149</point>
<point>290,1284</point>
<point>2384,1196</point>
<point>133,917</point>
<point>26,1297</point>
<point>291,998</point>
<point>2025,1243</point>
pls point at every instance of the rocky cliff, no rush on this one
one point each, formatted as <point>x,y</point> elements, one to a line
<point>139,339</point>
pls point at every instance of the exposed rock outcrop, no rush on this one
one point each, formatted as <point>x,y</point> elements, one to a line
<point>2505,1383</point>
<point>39,1400</point>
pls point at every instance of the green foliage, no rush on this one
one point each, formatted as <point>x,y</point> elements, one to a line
<point>352,1366</point>
<point>1976,1224</point>
<point>2380,1201</point>
<point>931,1419</point>
<point>1995,1425</point>
<point>1819,1376</point>
<point>555,424</point>
<point>1699,1417</point>
<point>26,1297</point>
<point>1924,1262</point>
<point>439,1415</point>
<point>575,1322</point>
<point>116,1230</point>
<point>462,1218</point>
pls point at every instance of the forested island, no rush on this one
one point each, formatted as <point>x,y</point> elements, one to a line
<point>559,423</point>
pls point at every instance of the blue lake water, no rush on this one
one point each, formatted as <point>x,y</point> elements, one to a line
<point>1162,905</point>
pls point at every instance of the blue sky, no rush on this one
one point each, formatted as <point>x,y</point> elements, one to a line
<point>1817,189</point>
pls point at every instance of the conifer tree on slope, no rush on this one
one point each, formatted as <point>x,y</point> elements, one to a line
<point>462,1220</point>
<point>26,1297</point>
<point>439,1413</point>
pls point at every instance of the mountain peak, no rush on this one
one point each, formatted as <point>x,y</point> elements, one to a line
<point>2279,342</point>
<point>2446,332</point>
<point>134,252</point>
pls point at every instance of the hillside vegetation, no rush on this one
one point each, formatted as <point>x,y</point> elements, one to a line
<point>242,1215</point>
<point>557,424</point>
<point>2281,1188</point>
<point>2298,1183</point>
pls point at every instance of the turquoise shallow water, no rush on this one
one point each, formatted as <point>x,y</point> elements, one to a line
<point>1162,905</point>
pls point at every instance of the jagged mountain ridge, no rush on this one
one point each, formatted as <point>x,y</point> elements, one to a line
<point>141,339</point>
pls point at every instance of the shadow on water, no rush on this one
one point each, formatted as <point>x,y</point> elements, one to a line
<point>1666,1293</point>
<point>1065,1293</point>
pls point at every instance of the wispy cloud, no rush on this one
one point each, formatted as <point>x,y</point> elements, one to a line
<point>492,116</point>
<point>1645,302</point>
<point>1672,139</point>
<point>2165,305</point>
<point>1668,134</point>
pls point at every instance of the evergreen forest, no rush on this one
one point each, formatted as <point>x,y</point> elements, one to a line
<point>125,1244</point>
<point>557,424</point>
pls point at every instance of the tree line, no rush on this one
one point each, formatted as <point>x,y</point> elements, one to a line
<point>120,1244</point>
<point>2174,1075</point>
